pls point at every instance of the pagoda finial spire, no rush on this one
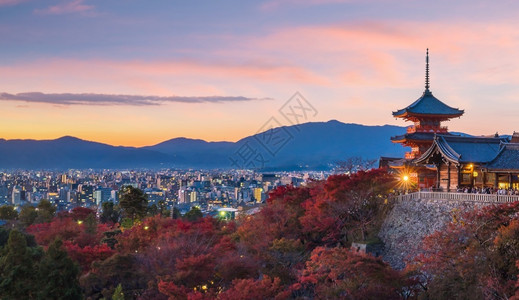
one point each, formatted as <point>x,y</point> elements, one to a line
<point>427,71</point>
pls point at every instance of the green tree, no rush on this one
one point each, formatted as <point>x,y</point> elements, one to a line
<point>118,293</point>
<point>133,203</point>
<point>163,209</point>
<point>109,237</point>
<point>153,210</point>
<point>45,211</point>
<point>27,215</point>
<point>91,224</point>
<point>59,274</point>
<point>106,275</point>
<point>127,223</point>
<point>18,269</point>
<point>4,238</point>
<point>175,214</point>
<point>110,213</point>
<point>194,214</point>
<point>8,212</point>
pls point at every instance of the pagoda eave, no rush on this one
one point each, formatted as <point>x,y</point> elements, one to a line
<point>398,141</point>
<point>410,144</point>
<point>413,138</point>
<point>414,116</point>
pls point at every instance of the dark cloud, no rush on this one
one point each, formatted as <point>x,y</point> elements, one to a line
<point>106,99</point>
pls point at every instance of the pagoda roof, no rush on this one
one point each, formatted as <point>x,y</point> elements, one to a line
<point>415,136</point>
<point>506,159</point>
<point>428,105</point>
<point>458,149</point>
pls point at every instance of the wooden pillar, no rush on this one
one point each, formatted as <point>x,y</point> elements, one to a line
<point>438,167</point>
<point>496,180</point>
<point>458,167</point>
<point>449,176</point>
<point>510,182</point>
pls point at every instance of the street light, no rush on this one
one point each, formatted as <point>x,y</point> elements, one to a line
<point>223,214</point>
<point>405,183</point>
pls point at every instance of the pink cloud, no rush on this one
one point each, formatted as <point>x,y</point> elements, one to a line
<point>387,53</point>
<point>273,4</point>
<point>75,6</point>
<point>11,2</point>
<point>156,77</point>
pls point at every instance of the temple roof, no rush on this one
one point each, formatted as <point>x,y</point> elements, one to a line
<point>506,159</point>
<point>415,136</point>
<point>427,104</point>
<point>458,149</point>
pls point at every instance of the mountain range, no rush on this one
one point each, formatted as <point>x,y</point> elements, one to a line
<point>315,145</point>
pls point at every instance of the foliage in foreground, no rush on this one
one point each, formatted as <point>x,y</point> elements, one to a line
<point>296,247</point>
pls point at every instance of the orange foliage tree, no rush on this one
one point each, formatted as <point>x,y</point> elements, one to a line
<point>475,257</point>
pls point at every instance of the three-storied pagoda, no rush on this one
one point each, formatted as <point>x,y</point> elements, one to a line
<point>426,113</point>
<point>441,160</point>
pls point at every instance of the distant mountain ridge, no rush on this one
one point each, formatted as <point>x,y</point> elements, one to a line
<point>315,145</point>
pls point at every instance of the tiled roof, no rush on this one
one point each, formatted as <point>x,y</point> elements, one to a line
<point>507,159</point>
<point>460,149</point>
<point>415,136</point>
<point>427,104</point>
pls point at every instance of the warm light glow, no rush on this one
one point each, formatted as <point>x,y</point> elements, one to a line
<point>403,179</point>
<point>79,222</point>
<point>475,174</point>
<point>146,227</point>
<point>222,213</point>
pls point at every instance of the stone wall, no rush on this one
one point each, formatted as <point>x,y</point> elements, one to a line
<point>411,220</point>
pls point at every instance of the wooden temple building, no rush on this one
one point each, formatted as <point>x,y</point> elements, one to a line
<point>441,160</point>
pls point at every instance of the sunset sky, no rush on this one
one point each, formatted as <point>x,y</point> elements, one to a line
<point>138,72</point>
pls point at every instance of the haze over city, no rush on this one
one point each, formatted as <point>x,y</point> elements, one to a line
<point>134,73</point>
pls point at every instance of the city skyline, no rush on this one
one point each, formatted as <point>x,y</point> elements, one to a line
<point>134,74</point>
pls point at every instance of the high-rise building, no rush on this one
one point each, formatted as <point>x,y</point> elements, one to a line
<point>258,195</point>
<point>193,196</point>
<point>102,195</point>
<point>16,197</point>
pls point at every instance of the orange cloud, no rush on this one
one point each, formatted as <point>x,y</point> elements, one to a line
<point>354,71</point>
<point>102,76</point>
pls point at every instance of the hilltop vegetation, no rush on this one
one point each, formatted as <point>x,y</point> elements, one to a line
<point>297,246</point>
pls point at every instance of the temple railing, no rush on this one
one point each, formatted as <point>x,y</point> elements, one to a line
<point>427,128</point>
<point>493,198</point>
<point>410,155</point>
